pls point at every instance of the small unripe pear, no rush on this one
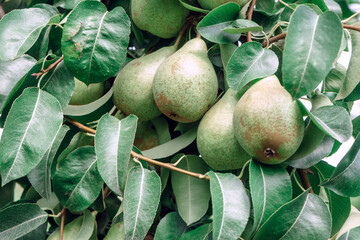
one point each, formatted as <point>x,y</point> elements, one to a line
<point>133,86</point>
<point>268,124</point>
<point>163,18</point>
<point>84,94</point>
<point>185,85</point>
<point>216,141</point>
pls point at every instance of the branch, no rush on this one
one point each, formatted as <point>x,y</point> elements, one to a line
<point>274,39</point>
<point>351,27</point>
<point>37,75</point>
<point>304,179</point>
<point>182,31</point>
<point>139,156</point>
<point>249,17</point>
<point>63,213</point>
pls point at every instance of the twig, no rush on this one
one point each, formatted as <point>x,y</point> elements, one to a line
<point>274,39</point>
<point>304,179</point>
<point>351,27</point>
<point>351,17</point>
<point>37,75</point>
<point>249,17</point>
<point>63,213</point>
<point>138,156</point>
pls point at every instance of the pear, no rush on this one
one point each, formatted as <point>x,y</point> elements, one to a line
<point>211,4</point>
<point>216,141</point>
<point>163,18</point>
<point>146,136</point>
<point>84,94</point>
<point>133,92</point>
<point>268,124</point>
<point>185,85</point>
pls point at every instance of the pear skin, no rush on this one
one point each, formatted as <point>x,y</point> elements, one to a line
<point>146,136</point>
<point>211,4</point>
<point>133,92</point>
<point>216,141</point>
<point>84,94</point>
<point>185,85</point>
<point>163,18</point>
<point>268,124</point>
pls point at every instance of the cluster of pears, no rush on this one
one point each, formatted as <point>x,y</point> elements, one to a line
<point>182,85</point>
<point>265,124</point>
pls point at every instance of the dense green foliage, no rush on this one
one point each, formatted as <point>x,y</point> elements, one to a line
<point>179,119</point>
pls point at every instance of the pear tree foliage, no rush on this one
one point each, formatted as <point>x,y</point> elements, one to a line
<point>179,119</point>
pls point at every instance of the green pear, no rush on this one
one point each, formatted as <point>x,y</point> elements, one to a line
<point>146,136</point>
<point>163,18</point>
<point>216,141</point>
<point>268,124</point>
<point>185,85</point>
<point>211,4</point>
<point>84,94</point>
<point>133,85</point>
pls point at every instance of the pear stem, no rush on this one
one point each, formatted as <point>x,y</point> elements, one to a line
<point>139,156</point>
<point>198,35</point>
<point>182,31</point>
<point>249,17</point>
<point>62,225</point>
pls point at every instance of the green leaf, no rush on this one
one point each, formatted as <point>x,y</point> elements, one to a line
<point>67,4</point>
<point>20,219</point>
<point>344,180</point>
<point>212,25</point>
<point>192,194</point>
<point>352,234</point>
<point>77,183</point>
<point>200,233</point>
<point>250,61</point>
<point>312,46</point>
<point>265,5</point>
<point>56,82</point>
<point>116,231</point>
<point>59,83</point>
<point>334,121</point>
<point>80,229</point>
<point>170,227</point>
<point>305,217</point>
<point>187,4</point>
<point>94,41</point>
<point>270,187</point>
<point>226,51</point>
<point>352,74</point>
<point>113,144</point>
<point>320,3</point>
<point>16,37</point>
<point>242,26</point>
<point>339,206</point>
<point>230,204</point>
<point>40,176</point>
<point>11,72</point>
<point>141,200</point>
<point>162,129</point>
<point>34,112</point>
<point>38,233</point>
<point>169,148</point>
<point>335,79</point>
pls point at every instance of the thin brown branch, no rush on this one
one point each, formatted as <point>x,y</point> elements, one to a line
<point>139,156</point>
<point>37,75</point>
<point>304,179</point>
<point>63,214</point>
<point>351,27</point>
<point>106,193</point>
<point>249,17</point>
<point>2,12</point>
<point>274,39</point>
